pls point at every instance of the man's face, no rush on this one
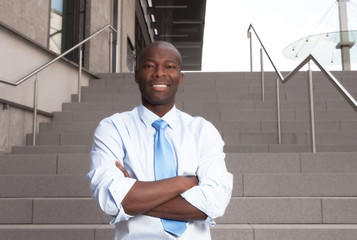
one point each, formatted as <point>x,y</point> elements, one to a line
<point>159,75</point>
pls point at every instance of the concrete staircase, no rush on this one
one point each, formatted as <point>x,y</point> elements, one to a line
<point>281,192</point>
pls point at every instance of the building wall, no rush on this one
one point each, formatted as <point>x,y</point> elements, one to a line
<point>30,17</point>
<point>126,24</point>
<point>19,57</point>
<point>99,12</point>
<point>15,124</point>
<point>23,49</point>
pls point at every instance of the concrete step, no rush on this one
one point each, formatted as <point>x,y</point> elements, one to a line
<point>28,164</point>
<point>66,138</point>
<point>69,126</point>
<point>292,138</point>
<point>293,184</point>
<point>235,87</point>
<point>51,211</point>
<point>194,105</point>
<point>244,138</point>
<point>246,184</point>
<point>128,88</point>
<point>284,231</point>
<point>237,163</point>
<point>283,148</point>
<point>308,148</point>
<point>213,115</point>
<point>46,164</point>
<point>218,232</point>
<point>325,105</point>
<point>335,162</point>
<point>291,210</point>
<point>233,137</point>
<point>82,116</point>
<point>95,106</point>
<point>24,186</point>
<point>109,97</point>
<point>304,126</point>
<point>233,77</point>
<point>52,149</point>
<point>57,232</point>
<point>300,184</point>
<point>222,126</point>
<point>217,114</point>
<point>288,115</point>
<point>252,210</point>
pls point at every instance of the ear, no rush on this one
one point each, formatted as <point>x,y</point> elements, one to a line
<point>181,79</point>
<point>136,76</point>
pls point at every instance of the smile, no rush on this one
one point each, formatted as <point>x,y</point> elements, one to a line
<point>159,86</point>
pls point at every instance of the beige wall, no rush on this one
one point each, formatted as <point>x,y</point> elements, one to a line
<point>29,17</point>
<point>56,84</point>
<point>99,15</point>
<point>126,24</point>
<point>19,57</point>
<point>14,125</point>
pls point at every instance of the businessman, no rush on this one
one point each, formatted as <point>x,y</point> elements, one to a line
<point>159,172</point>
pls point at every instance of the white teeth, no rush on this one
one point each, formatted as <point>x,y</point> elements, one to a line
<point>158,86</point>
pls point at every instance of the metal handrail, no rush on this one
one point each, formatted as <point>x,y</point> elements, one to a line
<point>282,79</point>
<point>57,58</point>
<point>36,71</point>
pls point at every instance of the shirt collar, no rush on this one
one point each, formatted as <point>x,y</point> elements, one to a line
<point>148,117</point>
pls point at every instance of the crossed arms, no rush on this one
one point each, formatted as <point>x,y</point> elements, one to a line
<point>161,198</point>
<point>181,197</point>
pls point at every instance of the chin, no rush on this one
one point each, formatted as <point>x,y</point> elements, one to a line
<point>156,102</point>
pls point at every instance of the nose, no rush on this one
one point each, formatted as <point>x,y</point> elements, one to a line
<point>159,72</point>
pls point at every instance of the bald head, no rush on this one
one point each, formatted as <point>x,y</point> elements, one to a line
<point>162,45</point>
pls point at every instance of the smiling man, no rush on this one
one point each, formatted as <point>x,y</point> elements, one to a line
<point>159,172</point>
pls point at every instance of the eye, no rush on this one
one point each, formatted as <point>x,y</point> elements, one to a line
<point>171,67</point>
<point>148,66</point>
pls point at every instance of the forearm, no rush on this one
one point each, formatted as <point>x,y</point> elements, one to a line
<point>177,209</point>
<point>144,196</point>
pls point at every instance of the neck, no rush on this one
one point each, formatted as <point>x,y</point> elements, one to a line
<point>159,110</point>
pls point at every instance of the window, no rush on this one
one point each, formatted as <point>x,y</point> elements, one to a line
<point>67,24</point>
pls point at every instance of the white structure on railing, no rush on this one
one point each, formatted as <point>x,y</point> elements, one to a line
<point>344,44</point>
<point>280,78</point>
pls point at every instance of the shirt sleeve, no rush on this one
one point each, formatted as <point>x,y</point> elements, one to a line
<point>214,191</point>
<point>108,186</point>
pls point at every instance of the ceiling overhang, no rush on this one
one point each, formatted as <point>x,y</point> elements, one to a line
<point>181,22</point>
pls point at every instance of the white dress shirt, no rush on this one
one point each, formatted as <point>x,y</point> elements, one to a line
<point>129,138</point>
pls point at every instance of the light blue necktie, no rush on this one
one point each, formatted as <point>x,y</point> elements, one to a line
<point>164,166</point>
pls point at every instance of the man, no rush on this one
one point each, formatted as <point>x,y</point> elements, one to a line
<point>125,160</point>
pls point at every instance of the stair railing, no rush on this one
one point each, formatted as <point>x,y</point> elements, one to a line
<point>282,79</point>
<point>36,71</point>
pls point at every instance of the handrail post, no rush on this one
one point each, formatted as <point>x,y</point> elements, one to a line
<point>110,51</point>
<point>80,74</point>
<point>35,106</point>
<point>251,51</point>
<point>312,110</point>
<point>262,74</point>
<point>278,111</point>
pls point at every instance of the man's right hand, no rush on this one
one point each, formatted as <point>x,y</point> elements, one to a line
<point>122,168</point>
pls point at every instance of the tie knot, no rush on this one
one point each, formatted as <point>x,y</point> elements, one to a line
<point>159,124</point>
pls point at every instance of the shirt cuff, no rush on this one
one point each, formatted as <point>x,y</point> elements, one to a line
<point>119,196</point>
<point>190,197</point>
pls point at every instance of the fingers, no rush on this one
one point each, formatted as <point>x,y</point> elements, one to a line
<point>121,168</point>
